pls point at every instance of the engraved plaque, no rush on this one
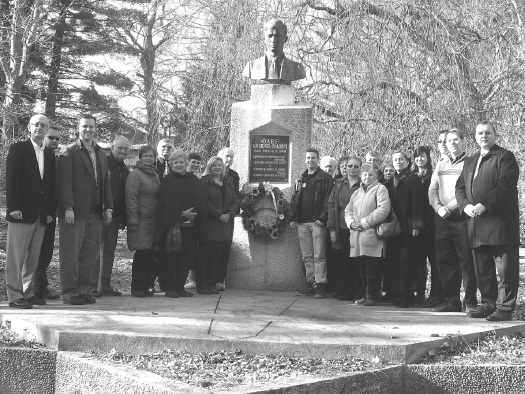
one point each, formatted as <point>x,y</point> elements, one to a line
<point>269,158</point>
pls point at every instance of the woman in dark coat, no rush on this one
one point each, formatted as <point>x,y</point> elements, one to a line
<point>406,194</point>
<point>142,190</point>
<point>222,206</point>
<point>181,217</point>
<point>426,245</point>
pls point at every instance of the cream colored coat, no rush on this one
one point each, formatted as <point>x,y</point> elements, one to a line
<point>369,209</point>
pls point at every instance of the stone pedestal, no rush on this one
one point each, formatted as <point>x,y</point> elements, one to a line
<point>254,263</point>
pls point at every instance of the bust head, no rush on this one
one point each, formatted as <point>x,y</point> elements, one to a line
<point>275,36</point>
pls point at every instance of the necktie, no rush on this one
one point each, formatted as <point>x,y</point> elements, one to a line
<point>273,72</point>
<point>166,168</point>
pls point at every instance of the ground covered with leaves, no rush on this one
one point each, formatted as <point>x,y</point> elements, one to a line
<point>223,370</point>
<point>12,339</point>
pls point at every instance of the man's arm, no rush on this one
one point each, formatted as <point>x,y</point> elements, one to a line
<point>13,177</point>
<point>65,180</point>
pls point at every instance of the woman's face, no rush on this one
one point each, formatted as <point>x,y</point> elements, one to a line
<point>421,160</point>
<point>388,172</point>
<point>399,161</point>
<point>353,168</point>
<point>368,177</point>
<point>178,165</point>
<point>148,158</point>
<point>342,168</point>
<point>217,168</point>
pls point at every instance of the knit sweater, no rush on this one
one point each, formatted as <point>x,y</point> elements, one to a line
<point>442,190</point>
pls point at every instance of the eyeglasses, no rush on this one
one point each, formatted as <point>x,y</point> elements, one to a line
<point>53,138</point>
<point>43,125</point>
<point>352,166</point>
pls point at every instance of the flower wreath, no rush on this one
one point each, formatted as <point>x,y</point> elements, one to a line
<point>265,193</point>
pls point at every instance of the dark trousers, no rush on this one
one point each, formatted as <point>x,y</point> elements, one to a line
<point>426,249</point>
<point>454,258</point>
<point>371,269</point>
<point>333,265</point>
<point>178,264</point>
<point>141,270</point>
<point>222,265</point>
<point>40,281</point>
<point>504,258</point>
<point>391,267</point>
<point>349,278</point>
<point>408,265</point>
<point>104,265</point>
<point>209,256</point>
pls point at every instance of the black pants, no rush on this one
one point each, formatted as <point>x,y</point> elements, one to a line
<point>349,280</point>
<point>40,281</point>
<point>408,265</point>
<point>371,269</point>
<point>178,264</point>
<point>141,270</point>
<point>210,253</point>
<point>391,267</point>
<point>454,258</point>
<point>504,258</point>
<point>426,248</point>
<point>224,258</point>
<point>333,265</point>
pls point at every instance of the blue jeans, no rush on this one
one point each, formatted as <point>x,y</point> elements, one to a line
<point>312,239</point>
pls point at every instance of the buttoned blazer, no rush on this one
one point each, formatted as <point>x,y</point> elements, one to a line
<point>26,191</point>
<point>290,70</point>
<point>75,177</point>
<point>495,187</point>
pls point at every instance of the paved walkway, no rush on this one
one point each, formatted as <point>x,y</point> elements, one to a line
<point>254,321</point>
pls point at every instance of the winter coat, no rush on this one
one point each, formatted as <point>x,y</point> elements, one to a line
<point>142,192</point>
<point>369,208</point>
<point>495,186</point>
<point>334,208</point>
<point>218,205</point>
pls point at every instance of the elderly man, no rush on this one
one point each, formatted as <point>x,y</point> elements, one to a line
<point>118,173</point>
<point>40,281</point>
<point>487,193</point>
<point>274,67</point>
<point>453,254</point>
<point>373,157</point>
<point>30,194</point>
<point>164,149</point>
<point>310,215</point>
<point>84,200</point>
<point>329,164</point>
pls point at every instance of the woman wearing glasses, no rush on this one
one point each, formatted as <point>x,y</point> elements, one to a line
<point>349,285</point>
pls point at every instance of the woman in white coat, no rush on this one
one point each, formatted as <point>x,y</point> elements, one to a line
<point>368,206</point>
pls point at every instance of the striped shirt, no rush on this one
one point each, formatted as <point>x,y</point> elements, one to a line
<point>442,190</point>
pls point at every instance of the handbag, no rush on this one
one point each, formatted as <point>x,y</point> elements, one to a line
<point>389,227</point>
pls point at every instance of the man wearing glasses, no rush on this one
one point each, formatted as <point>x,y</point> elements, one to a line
<point>30,192</point>
<point>40,281</point>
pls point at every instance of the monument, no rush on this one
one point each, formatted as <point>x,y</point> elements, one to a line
<point>269,135</point>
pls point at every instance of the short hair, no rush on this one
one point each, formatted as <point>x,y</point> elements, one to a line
<point>398,152</point>
<point>165,140</point>
<point>423,149</point>
<point>145,149</point>
<point>375,154</point>
<point>120,138</point>
<point>86,116</point>
<point>276,23</point>
<point>210,162</point>
<point>53,128</point>
<point>444,131</point>
<point>372,166</point>
<point>355,158</point>
<point>313,150</point>
<point>388,165</point>
<point>224,150</point>
<point>487,123</point>
<point>459,133</point>
<point>179,153</point>
<point>194,156</point>
<point>329,158</point>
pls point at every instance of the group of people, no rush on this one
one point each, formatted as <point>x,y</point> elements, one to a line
<point>461,215</point>
<point>179,223</point>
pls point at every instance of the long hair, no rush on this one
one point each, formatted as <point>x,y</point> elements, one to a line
<point>212,161</point>
<point>418,152</point>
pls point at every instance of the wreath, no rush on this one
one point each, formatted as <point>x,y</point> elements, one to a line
<point>265,199</point>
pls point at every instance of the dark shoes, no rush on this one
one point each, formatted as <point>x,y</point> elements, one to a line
<point>446,307</point>
<point>88,299</point>
<point>171,294</point>
<point>369,303</point>
<point>306,290</point>
<point>320,290</point>
<point>431,303</point>
<point>482,311</point>
<point>74,300</point>
<point>47,295</point>
<point>21,304</point>
<point>203,290</point>
<point>139,294</point>
<point>112,293</point>
<point>95,293</point>
<point>213,290</point>
<point>500,315</point>
<point>149,292</point>
<point>36,300</point>
<point>184,293</point>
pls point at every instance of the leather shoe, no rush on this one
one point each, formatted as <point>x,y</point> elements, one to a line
<point>47,295</point>
<point>171,294</point>
<point>149,292</point>
<point>482,311</point>
<point>36,301</point>
<point>213,290</point>
<point>139,294</point>
<point>446,307</point>
<point>95,293</point>
<point>74,300</point>
<point>500,315</point>
<point>184,293</point>
<point>88,299</point>
<point>112,293</point>
<point>203,290</point>
<point>21,304</point>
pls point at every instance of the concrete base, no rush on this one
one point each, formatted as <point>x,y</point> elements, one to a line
<point>257,264</point>
<point>25,370</point>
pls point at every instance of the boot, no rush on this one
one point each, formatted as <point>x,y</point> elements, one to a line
<point>320,290</point>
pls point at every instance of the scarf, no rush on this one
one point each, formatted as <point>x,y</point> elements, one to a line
<point>148,169</point>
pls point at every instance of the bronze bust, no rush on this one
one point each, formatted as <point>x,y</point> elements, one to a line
<point>274,67</point>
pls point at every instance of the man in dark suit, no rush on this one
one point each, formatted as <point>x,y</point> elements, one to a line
<point>84,200</point>
<point>40,281</point>
<point>487,192</point>
<point>30,192</point>
<point>164,149</point>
